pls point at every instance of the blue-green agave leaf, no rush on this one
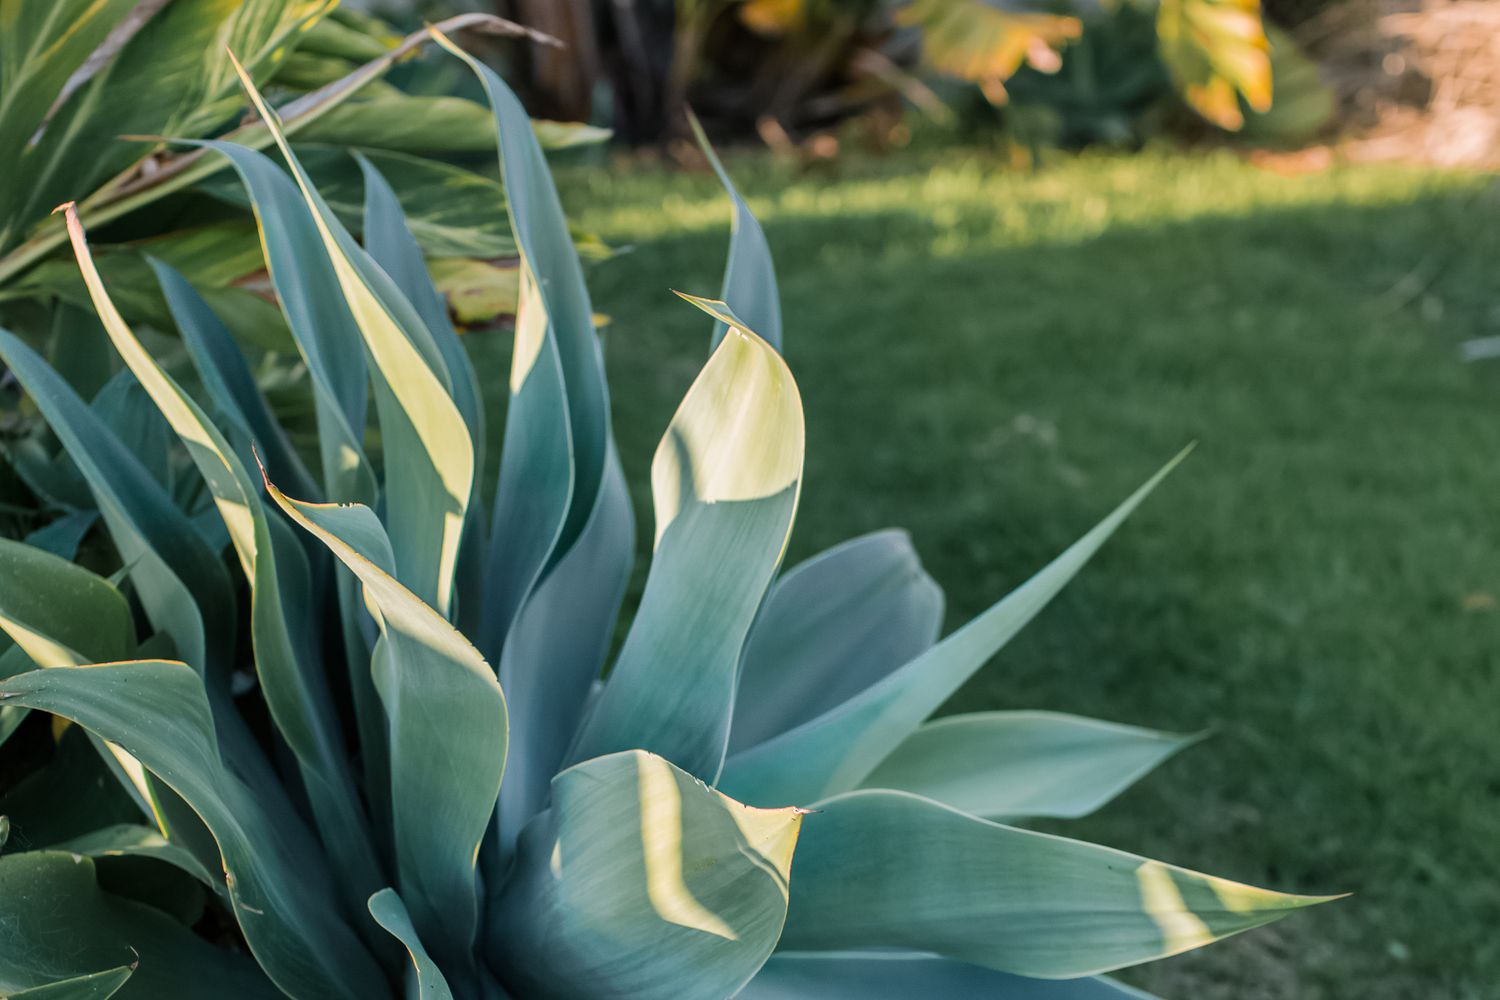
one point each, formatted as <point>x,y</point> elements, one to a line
<point>390,243</point>
<point>837,750</point>
<point>182,585</point>
<point>228,379</point>
<point>564,635</point>
<point>749,276</point>
<point>447,732</point>
<point>132,840</point>
<point>276,878</point>
<point>881,869</point>
<point>1009,765</point>
<point>95,986</point>
<point>640,881</point>
<point>895,976</point>
<point>389,912</point>
<point>563,535</point>
<point>429,455</point>
<point>291,677</point>
<point>63,536</point>
<point>831,627</point>
<point>324,330</point>
<point>59,612</point>
<point>725,480</point>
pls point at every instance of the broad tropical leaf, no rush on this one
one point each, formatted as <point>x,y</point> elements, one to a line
<point>1217,52</point>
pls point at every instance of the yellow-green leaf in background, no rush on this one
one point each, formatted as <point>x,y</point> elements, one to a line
<point>1216,52</point>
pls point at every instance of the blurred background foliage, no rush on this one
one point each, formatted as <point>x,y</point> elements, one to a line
<point>1060,71</point>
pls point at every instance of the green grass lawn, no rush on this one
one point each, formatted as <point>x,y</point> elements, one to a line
<point>994,359</point>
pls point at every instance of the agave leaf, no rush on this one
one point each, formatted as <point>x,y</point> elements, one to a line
<point>321,323</point>
<point>881,869</point>
<point>831,627</point>
<point>562,539</point>
<point>429,456</point>
<point>58,612</point>
<point>45,807</point>
<point>885,976</point>
<point>227,377</point>
<point>94,986</point>
<point>392,245</point>
<point>389,912</point>
<point>62,925</point>
<point>276,876</point>
<point>128,411</point>
<point>180,581</point>
<point>566,630</point>
<point>130,840</point>
<point>749,276</point>
<point>331,346</point>
<point>838,749</point>
<point>450,210</point>
<point>62,615</point>
<point>1014,764</point>
<point>63,536</point>
<point>291,678</point>
<point>725,479</point>
<point>639,881</point>
<point>447,732</point>
<point>559,403</point>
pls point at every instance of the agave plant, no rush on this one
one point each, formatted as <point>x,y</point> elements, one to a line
<point>411,780</point>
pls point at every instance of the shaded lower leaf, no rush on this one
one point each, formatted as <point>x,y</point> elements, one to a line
<point>61,925</point>
<point>641,882</point>
<point>879,869</point>
<point>129,840</point>
<point>96,986</point>
<point>278,882</point>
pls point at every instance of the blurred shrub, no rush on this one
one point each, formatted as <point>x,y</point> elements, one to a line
<point>1093,69</point>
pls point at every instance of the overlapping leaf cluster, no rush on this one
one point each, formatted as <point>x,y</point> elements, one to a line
<point>86,85</point>
<point>350,724</point>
